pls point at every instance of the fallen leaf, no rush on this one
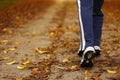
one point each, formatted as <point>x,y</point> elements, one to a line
<point>73,67</point>
<point>87,72</point>
<point>4,29</point>
<point>35,72</point>
<point>4,41</point>
<point>33,38</point>
<point>118,30</point>
<point>40,51</point>
<point>62,68</point>
<point>17,42</point>
<point>86,78</point>
<point>55,51</point>
<point>21,67</point>
<point>5,51</point>
<point>66,60</point>
<point>52,33</point>
<point>112,71</point>
<point>47,69</point>
<point>12,62</point>
<point>6,58</point>
<point>35,69</point>
<point>11,49</point>
<point>26,62</point>
<point>111,54</point>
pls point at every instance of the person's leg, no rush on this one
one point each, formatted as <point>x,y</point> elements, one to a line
<point>97,22</point>
<point>86,23</point>
<point>87,36</point>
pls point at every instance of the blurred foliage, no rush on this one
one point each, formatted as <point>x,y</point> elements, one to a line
<point>7,3</point>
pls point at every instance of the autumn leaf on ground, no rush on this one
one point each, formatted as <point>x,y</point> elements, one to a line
<point>33,38</point>
<point>26,62</point>
<point>112,71</point>
<point>5,51</point>
<point>21,67</point>
<point>52,33</point>
<point>112,54</point>
<point>87,72</point>
<point>12,48</point>
<point>12,62</point>
<point>35,72</point>
<point>63,68</point>
<point>4,41</point>
<point>35,69</point>
<point>47,69</point>
<point>66,60</point>
<point>17,42</point>
<point>40,51</point>
<point>6,58</point>
<point>74,67</point>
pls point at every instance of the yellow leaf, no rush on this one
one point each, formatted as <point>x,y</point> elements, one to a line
<point>33,38</point>
<point>86,78</point>
<point>87,72</point>
<point>17,42</point>
<point>52,33</point>
<point>47,69</point>
<point>73,67</point>
<point>21,67</point>
<point>12,62</point>
<point>35,69</point>
<point>66,60</point>
<point>12,49</point>
<point>112,71</point>
<point>55,51</point>
<point>5,51</point>
<point>4,29</point>
<point>118,30</point>
<point>5,58</point>
<point>4,41</point>
<point>40,51</point>
<point>26,62</point>
<point>111,55</point>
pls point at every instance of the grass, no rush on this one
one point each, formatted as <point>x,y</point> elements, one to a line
<point>7,3</point>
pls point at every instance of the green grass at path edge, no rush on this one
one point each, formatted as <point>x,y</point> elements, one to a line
<point>7,3</point>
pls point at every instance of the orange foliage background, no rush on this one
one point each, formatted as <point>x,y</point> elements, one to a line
<point>13,16</point>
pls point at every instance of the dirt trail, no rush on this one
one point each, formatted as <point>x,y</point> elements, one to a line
<point>50,44</point>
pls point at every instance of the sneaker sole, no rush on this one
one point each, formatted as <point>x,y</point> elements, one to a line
<point>87,60</point>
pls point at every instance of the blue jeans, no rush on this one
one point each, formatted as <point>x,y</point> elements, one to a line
<point>91,21</point>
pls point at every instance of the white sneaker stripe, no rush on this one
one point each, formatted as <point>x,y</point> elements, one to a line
<point>82,30</point>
